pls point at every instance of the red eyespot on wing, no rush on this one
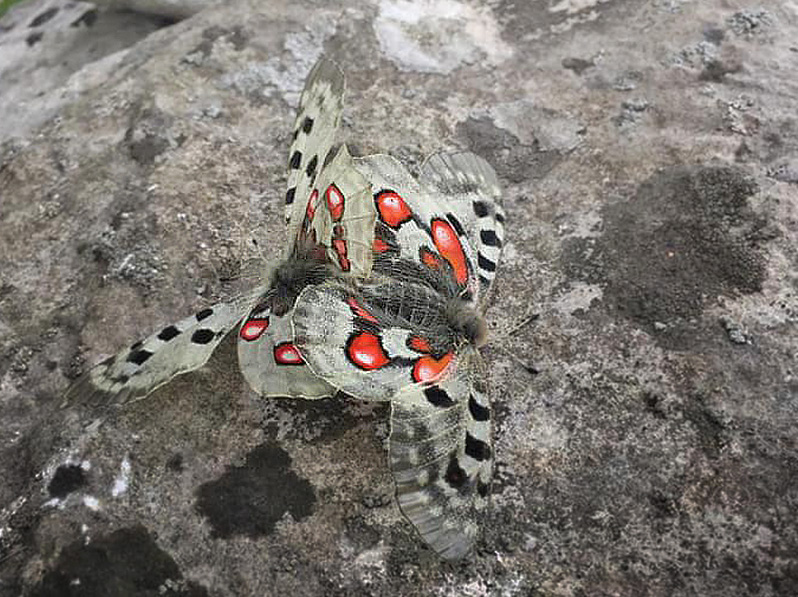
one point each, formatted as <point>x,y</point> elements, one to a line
<point>430,369</point>
<point>448,245</point>
<point>253,329</point>
<point>335,202</point>
<point>429,258</point>
<point>392,209</point>
<point>380,246</point>
<point>419,344</point>
<point>358,310</point>
<point>339,246</point>
<point>286,353</point>
<point>310,211</point>
<point>366,352</point>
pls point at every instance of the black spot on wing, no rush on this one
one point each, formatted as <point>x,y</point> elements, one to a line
<point>485,263</point>
<point>296,160</point>
<point>480,209</point>
<point>478,412</point>
<point>483,489</point>
<point>136,346</point>
<point>483,280</point>
<point>458,227</point>
<point>311,168</point>
<point>455,475</point>
<point>202,336</point>
<point>489,238</point>
<point>307,125</point>
<point>204,314</point>
<point>499,217</point>
<point>139,357</point>
<point>168,333</point>
<point>476,448</point>
<point>330,156</point>
<point>437,396</point>
<point>289,196</point>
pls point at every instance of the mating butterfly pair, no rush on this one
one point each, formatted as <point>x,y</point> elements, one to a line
<point>381,294</point>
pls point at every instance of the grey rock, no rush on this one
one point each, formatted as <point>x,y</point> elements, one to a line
<point>632,459</point>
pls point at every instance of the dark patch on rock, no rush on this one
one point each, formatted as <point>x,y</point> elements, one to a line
<point>716,70</point>
<point>145,146</point>
<point>149,136</point>
<point>175,463</point>
<point>250,499</point>
<point>67,478</point>
<point>520,18</point>
<point>513,160</point>
<point>362,535</point>
<point>663,504</point>
<point>88,18</point>
<point>236,36</point>
<point>43,17</point>
<point>578,65</point>
<point>713,34</point>
<point>34,38</point>
<point>709,428</point>
<point>653,404</point>
<point>327,418</point>
<point>126,562</point>
<point>687,236</point>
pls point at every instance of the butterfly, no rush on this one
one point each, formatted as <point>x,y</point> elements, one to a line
<point>409,333</point>
<point>330,219</point>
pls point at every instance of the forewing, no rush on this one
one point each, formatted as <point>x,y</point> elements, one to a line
<point>470,190</point>
<point>339,217</point>
<point>318,117</point>
<point>271,363</point>
<point>374,339</point>
<point>152,362</point>
<point>441,459</point>
<point>415,222</point>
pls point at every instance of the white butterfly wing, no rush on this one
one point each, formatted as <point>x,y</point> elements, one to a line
<point>441,459</point>
<point>318,117</point>
<point>178,348</point>
<point>472,192</point>
<point>270,362</point>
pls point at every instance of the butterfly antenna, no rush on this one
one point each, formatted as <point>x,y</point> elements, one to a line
<point>528,367</point>
<point>523,322</point>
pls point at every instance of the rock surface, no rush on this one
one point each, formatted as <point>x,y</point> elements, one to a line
<point>648,152</point>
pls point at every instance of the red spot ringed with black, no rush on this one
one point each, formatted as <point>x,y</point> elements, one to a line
<point>428,369</point>
<point>392,208</point>
<point>286,353</point>
<point>335,202</point>
<point>447,241</point>
<point>365,351</point>
<point>254,328</point>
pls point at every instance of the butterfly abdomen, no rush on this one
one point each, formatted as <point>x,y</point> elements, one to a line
<point>290,277</point>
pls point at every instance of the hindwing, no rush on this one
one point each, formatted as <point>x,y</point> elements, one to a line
<point>471,191</point>
<point>376,338</point>
<point>448,218</point>
<point>441,458</point>
<point>178,348</point>
<point>269,360</point>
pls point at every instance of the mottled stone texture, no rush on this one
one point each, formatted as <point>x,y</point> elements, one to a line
<point>649,152</point>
